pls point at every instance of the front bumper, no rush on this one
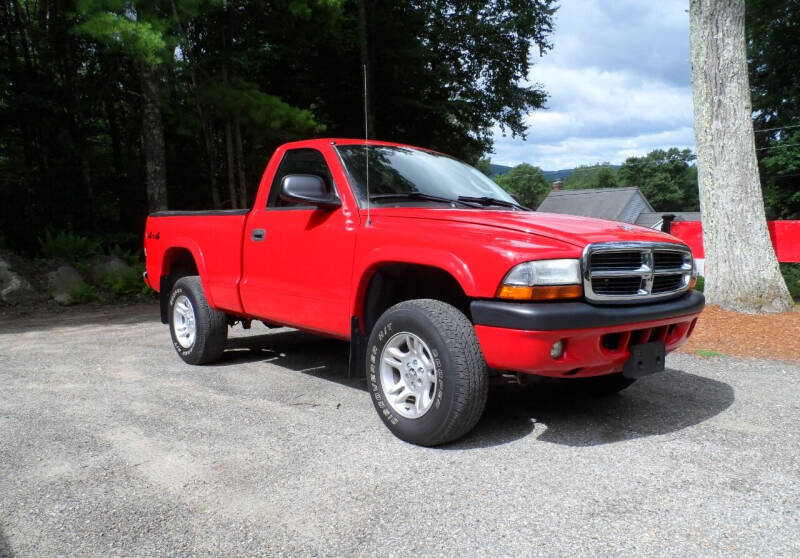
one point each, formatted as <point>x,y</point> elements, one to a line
<point>518,336</point>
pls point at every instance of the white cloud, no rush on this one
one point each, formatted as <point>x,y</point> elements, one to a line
<point>618,80</point>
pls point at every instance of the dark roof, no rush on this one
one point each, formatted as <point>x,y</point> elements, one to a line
<point>648,219</point>
<point>621,204</point>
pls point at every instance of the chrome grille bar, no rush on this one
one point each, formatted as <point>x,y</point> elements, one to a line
<point>632,272</point>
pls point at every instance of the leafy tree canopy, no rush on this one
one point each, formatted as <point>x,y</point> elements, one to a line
<point>526,183</point>
<point>599,175</point>
<point>773,28</point>
<point>773,50</point>
<point>666,178</point>
<point>780,177</point>
<point>233,79</point>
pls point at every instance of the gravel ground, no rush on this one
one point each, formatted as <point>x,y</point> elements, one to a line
<point>111,446</point>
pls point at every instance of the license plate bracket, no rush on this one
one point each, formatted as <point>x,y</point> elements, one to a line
<point>645,359</point>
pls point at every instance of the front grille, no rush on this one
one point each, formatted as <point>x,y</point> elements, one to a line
<point>667,283</point>
<point>617,285</point>
<point>616,260</point>
<point>635,271</point>
<point>667,260</point>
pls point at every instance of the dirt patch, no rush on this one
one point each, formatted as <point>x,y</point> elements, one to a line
<point>775,336</point>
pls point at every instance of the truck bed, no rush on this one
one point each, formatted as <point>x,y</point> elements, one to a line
<point>214,238</point>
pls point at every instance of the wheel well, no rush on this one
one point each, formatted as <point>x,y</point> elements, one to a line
<point>178,262</point>
<point>394,283</point>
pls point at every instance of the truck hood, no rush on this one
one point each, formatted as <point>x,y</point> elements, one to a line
<point>578,231</point>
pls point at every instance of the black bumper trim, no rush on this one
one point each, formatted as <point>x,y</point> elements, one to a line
<point>548,316</point>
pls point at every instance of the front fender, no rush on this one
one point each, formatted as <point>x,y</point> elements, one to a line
<point>445,260</point>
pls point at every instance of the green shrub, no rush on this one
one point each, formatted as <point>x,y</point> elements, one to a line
<point>69,246</point>
<point>127,283</point>
<point>130,257</point>
<point>791,274</point>
<point>82,293</point>
<point>701,281</point>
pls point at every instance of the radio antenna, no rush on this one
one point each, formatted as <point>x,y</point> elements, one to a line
<point>366,140</point>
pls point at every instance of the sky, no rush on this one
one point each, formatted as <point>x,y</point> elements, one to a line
<point>619,84</point>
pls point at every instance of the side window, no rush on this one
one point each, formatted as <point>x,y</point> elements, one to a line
<point>298,161</point>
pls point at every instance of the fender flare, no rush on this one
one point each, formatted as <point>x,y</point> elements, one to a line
<point>429,257</point>
<point>191,246</point>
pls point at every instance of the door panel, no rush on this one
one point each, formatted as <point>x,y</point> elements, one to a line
<point>297,272</point>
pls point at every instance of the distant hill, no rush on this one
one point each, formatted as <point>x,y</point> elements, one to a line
<point>553,175</point>
<point>498,170</point>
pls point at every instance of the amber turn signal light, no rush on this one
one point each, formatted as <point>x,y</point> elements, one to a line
<point>543,292</point>
<point>692,282</point>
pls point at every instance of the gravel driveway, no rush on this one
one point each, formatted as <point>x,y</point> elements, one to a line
<point>112,446</point>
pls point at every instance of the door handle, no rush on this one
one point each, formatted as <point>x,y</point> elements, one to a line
<point>257,235</point>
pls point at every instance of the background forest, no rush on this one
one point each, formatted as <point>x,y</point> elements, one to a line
<point>112,108</point>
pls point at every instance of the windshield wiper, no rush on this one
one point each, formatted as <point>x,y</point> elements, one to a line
<point>418,196</point>
<point>486,200</point>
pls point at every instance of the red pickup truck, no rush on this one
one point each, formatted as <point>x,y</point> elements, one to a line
<point>436,276</point>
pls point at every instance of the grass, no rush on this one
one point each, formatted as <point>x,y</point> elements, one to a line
<point>701,281</point>
<point>124,284</point>
<point>83,293</point>
<point>791,274</point>
<point>708,353</point>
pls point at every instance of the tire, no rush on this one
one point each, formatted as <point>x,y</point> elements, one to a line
<point>604,386</point>
<point>434,344</point>
<point>206,342</point>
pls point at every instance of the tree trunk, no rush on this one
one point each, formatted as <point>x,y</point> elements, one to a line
<point>211,151</point>
<point>153,140</point>
<point>741,268</point>
<point>208,135</point>
<point>240,172</point>
<point>230,164</point>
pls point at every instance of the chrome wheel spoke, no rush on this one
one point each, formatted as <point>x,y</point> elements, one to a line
<point>402,396</point>
<point>394,358</point>
<point>413,344</point>
<point>418,405</point>
<point>396,389</point>
<point>406,370</point>
<point>183,322</point>
<point>426,361</point>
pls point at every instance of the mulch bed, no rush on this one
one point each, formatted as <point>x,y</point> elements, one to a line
<point>775,336</point>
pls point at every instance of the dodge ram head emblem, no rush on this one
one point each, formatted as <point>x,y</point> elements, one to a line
<point>626,228</point>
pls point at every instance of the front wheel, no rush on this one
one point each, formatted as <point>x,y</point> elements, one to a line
<point>198,331</point>
<point>426,372</point>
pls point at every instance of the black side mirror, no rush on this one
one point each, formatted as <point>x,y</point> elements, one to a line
<point>308,189</point>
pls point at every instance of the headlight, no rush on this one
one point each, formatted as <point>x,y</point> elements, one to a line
<point>543,280</point>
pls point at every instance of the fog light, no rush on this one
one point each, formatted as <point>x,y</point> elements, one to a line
<point>557,349</point>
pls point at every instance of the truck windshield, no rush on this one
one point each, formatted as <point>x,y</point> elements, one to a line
<point>406,175</point>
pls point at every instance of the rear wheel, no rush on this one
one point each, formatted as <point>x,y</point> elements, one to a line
<point>603,386</point>
<point>426,372</point>
<point>198,331</point>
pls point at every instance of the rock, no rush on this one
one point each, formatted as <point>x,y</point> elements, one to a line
<point>109,266</point>
<point>14,289</point>
<point>63,284</point>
